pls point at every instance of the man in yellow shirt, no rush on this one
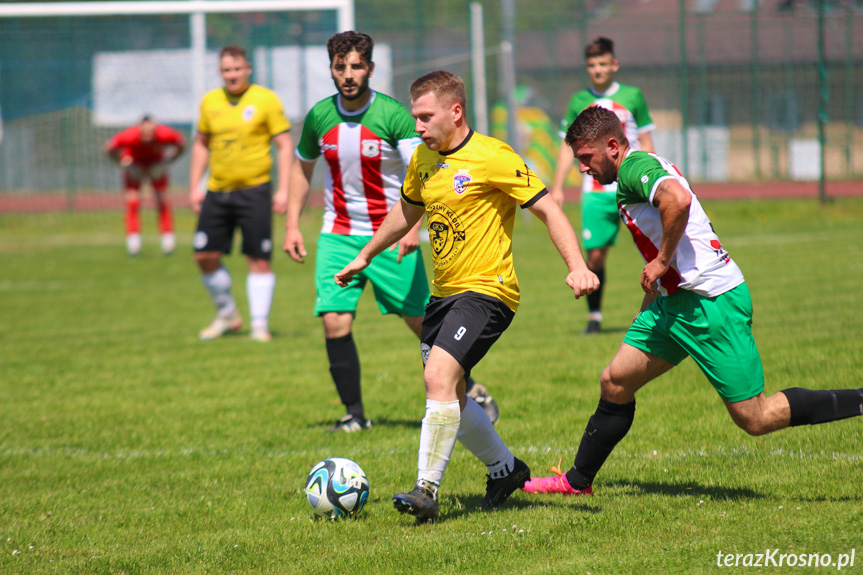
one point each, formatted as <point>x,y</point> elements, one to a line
<point>469,186</point>
<point>237,125</point>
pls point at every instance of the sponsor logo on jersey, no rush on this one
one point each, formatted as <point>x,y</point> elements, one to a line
<point>248,113</point>
<point>331,147</point>
<point>446,233</point>
<point>370,148</point>
<point>442,166</point>
<point>461,181</point>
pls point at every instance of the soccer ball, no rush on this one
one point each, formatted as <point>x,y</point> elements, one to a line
<point>337,487</point>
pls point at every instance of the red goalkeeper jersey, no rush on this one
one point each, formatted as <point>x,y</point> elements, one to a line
<point>129,144</point>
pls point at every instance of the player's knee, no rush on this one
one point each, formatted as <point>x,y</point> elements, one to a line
<point>753,426</point>
<point>610,390</point>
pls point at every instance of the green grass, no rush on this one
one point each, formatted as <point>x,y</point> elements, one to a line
<point>128,446</point>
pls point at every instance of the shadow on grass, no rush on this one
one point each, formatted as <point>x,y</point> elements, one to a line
<point>689,489</point>
<point>326,424</point>
<point>467,507</point>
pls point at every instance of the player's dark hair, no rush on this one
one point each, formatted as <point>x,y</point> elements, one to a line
<point>233,51</point>
<point>146,118</point>
<point>595,124</point>
<point>446,86</point>
<point>343,43</point>
<point>599,47</point>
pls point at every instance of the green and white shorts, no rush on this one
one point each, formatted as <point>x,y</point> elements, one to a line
<point>715,331</point>
<point>600,220</point>
<point>400,288</point>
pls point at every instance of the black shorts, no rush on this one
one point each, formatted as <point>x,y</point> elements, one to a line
<point>464,325</point>
<point>222,212</point>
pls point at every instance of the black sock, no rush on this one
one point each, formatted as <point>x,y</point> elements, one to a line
<point>594,300</point>
<point>813,406</point>
<point>345,369</point>
<point>607,426</point>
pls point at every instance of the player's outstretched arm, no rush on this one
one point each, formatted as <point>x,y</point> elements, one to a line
<point>582,281</point>
<point>411,242</point>
<point>402,217</point>
<point>673,201</point>
<point>197,165</point>
<point>298,193</point>
<point>284,157</point>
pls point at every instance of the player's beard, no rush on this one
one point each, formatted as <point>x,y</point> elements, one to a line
<point>362,88</point>
<point>606,172</point>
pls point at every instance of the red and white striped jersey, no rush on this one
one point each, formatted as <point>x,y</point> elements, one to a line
<point>366,153</point>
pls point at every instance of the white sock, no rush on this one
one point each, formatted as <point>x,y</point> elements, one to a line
<point>260,288</point>
<point>437,439</point>
<point>133,243</point>
<point>218,284</point>
<point>477,434</point>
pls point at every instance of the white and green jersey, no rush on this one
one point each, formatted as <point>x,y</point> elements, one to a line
<point>366,152</point>
<point>630,106</point>
<point>700,264</point>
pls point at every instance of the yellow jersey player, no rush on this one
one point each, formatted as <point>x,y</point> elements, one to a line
<point>469,186</point>
<point>237,125</point>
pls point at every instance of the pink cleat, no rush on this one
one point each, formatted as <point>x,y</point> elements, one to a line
<point>556,484</point>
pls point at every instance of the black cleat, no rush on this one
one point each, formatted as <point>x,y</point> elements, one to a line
<point>420,503</point>
<point>481,395</point>
<point>592,328</point>
<point>350,424</point>
<point>497,490</point>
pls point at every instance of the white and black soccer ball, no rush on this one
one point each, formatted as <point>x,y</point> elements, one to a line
<point>337,487</point>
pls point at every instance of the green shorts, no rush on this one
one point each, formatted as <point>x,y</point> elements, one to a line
<point>600,220</point>
<point>715,331</point>
<point>400,288</point>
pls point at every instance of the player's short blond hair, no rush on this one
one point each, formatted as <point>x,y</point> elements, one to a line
<point>446,86</point>
<point>233,51</point>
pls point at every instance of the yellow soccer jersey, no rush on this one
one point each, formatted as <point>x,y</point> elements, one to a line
<point>470,196</point>
<point>240,130</point>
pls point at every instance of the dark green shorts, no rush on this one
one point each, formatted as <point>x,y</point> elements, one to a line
<point>400,288</point>
<point>715,331</point>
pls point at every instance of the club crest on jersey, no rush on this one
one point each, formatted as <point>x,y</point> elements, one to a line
<point>248,113</point>
<point>461,181</point>
<point>371,148</point>
<point>446,233</point>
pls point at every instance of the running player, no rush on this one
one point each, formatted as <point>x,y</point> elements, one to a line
<point>236,127</point>
<point>696,304</point>
<point>367,138</point>
<point>468,185</point>
<point>600,221</point>
<point>143,152</point>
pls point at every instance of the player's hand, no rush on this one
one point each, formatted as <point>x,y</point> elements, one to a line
<point>344,277</point>
<point>583,282</point>
<point>126,161</point>
<point>649,276</point>
<point>280,202</point>
<point>196,198</point>
<point>408,244</point>
<point>294,246</point>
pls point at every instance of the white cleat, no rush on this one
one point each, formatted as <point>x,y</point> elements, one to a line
<point>221,326</point>
<point>169,242</point>
<point>261,335</point>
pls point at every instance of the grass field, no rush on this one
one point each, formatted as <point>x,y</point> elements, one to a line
<point>128,446</point>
